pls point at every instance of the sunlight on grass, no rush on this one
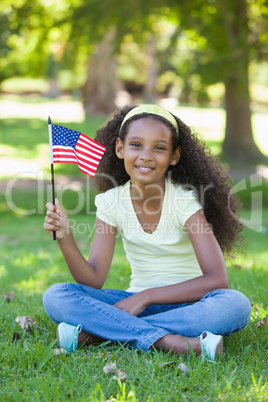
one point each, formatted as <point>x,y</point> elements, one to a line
<point>259,122</point>
<point>3,271</point>
<point>64,110</point>
<point>24,146</point>
<point>208,122</point>
<point>258,312</point>
<point>24,143</point>
<point>20,84</point>
<point>38,282</point>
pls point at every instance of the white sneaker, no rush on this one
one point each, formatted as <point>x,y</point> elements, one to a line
<point>211,345</point>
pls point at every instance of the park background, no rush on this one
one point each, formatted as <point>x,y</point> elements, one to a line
<point>77,61</point>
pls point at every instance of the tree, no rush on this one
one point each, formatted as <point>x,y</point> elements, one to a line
<point>238,142</point>
<point>101,86</point>
<point>32,37</point>
<point>151,76</point>
<point>94,19</point>
<point>235,32</point>
<point>18,38</point>
<point>232,33</point>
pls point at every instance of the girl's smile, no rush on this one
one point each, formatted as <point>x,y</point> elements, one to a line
<point>147,151</point>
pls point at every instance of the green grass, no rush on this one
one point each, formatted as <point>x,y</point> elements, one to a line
<point>31,262</point>
<point>27,139</point>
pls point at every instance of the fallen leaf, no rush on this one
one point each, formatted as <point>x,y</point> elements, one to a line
<point>59,351</point>
<point>121,375</point>
<point>10,296</point>
<point>110,367</point>
<point>166,363</point>
<point>26,322</point>
<point>262,323</point>
<point>184,369</point>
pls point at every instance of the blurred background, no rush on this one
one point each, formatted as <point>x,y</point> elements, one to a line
<point>79,60</point>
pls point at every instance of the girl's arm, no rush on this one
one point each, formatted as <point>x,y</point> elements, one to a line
<point>211,261</point>
<point>212,264</point>
<point>94,271</point>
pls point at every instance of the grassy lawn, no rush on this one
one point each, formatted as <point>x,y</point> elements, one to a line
<point>30,262</point>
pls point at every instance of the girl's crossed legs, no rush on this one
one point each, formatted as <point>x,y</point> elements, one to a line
<point>221,311</point>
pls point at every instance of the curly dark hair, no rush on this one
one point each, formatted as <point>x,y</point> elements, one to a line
<point>197,170</point>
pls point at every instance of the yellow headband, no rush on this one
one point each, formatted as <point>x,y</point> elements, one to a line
<point>152,109</point>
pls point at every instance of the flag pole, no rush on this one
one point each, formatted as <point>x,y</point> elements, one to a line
<point>51,165</point>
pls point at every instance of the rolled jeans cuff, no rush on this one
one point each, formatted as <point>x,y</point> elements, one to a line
<point>149,341</point>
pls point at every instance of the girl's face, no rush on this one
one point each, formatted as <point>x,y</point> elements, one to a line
<point>147,151</point>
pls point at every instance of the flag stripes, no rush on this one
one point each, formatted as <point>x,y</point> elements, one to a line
<point>70,146</point>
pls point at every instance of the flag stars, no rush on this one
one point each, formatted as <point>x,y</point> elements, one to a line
<point>64,136</point>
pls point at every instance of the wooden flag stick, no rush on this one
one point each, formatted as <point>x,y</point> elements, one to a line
<point>52,166</point>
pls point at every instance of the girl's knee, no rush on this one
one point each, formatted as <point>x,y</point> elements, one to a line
<point>245,305</point>
<point>235,311</point>
<point>241,306</point>
<point>51,298</point>
<point>241,301</point>
<point>235,307</point>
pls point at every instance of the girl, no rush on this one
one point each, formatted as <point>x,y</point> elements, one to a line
<point>170,200</point>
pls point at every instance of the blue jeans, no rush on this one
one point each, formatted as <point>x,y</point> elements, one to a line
<point>221,311</point>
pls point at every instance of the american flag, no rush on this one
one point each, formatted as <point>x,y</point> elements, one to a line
<point>70,146</point>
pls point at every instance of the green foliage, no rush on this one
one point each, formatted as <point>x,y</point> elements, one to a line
<point>196,40</point>
<point>228,37</point>
<point>33,34</point>
<point>22,34</point>
<point>205,38</point>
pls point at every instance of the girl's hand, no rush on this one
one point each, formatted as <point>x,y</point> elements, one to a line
<point>134,304</point>
<point>57,220</point>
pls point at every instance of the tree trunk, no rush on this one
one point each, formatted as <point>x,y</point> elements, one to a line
<point>54,89</point>
<point>52,72</point>
<point>102,84</point>
<point>151,77</point>
<point>238,144</point>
